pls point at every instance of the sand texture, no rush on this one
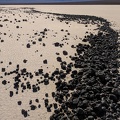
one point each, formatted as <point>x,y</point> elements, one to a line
<point>40,49</point>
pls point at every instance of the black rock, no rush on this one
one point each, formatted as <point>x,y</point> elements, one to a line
<point>4,82</point>
<point>35,89</point>
<point>28,45</point>
<point>53,94</point>
<point>46,94</point>
<point>45,61</point>
<point>55,106</point>
<point>59,59</point>
<point>99,110</point>
<point>11,93</point>
<point>40,39</point>
<point>57,44</point>
<point>48,108</point>
<point>24,113</point>
<point>36,100</point>
<point>33,107</point>
<point>3,69</point>
<point>113,97</point>
<point>65,52</point>
<point>1,25</point>
<point>19,102</point>
<point>46,81</point>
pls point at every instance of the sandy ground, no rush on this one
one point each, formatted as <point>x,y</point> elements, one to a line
<point>109,12</point>
<point>14,50</point>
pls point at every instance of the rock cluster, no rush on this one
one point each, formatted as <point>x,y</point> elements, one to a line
<point>94,91</point>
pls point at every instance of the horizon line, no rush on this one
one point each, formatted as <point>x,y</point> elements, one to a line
<point>94,2</point>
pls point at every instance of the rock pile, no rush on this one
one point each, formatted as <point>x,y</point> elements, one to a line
<point>94,91</point>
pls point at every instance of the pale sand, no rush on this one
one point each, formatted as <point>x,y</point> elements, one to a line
<point>15,51</point>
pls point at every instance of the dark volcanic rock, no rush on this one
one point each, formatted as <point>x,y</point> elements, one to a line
<point>65,52</point>
<point>45,61</point>
<point>4,82</point>
<point>24,113</point>
<point>28,45</point>
<point>19,102</point>
<point>96,81</point>
<point>59,59</point>
<point>11,93</point>
<point>33,107</point>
